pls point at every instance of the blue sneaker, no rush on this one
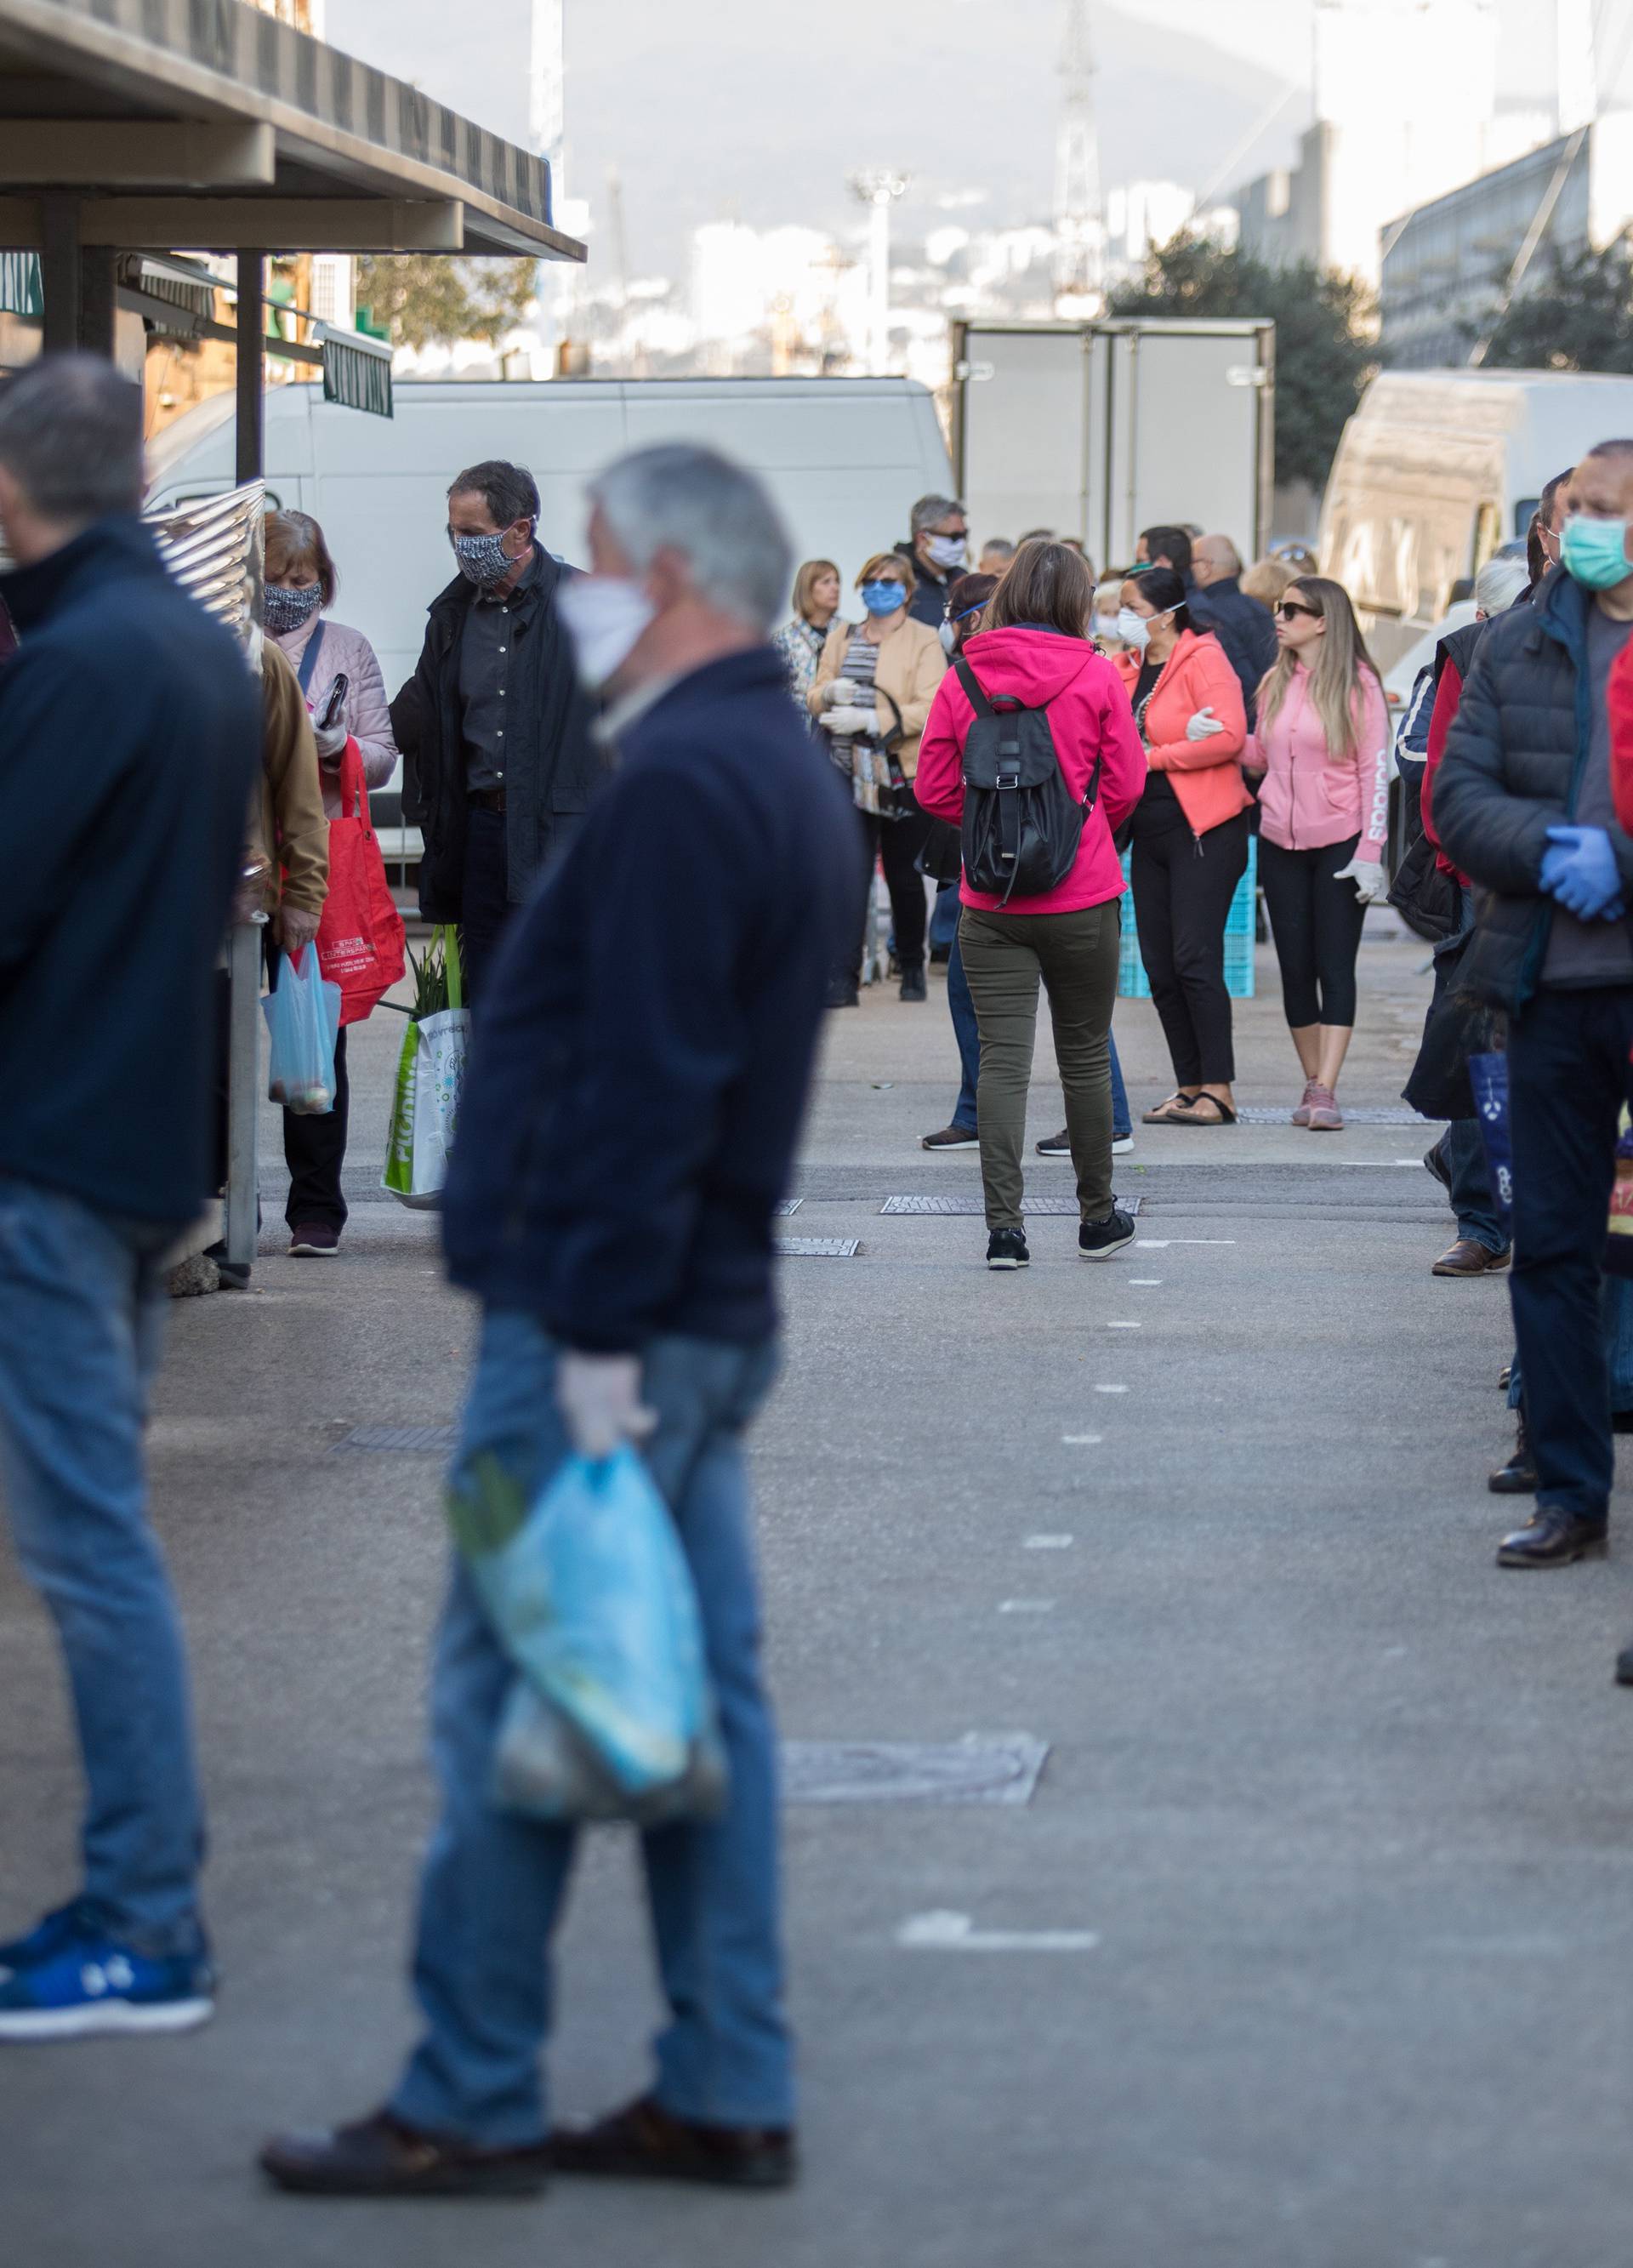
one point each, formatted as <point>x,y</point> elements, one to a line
<point>67,1978</point>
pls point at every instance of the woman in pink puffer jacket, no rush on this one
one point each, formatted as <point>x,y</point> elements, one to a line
<point>300,582</point>
<point>1322,744</point>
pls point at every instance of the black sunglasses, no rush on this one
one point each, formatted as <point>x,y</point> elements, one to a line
<point>1290,611</point>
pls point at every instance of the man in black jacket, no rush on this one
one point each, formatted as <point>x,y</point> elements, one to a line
<point>129,737</point>
<point>1522,804</point>
<point>937,551</point>
<point>493,726</point>
<point>627,1127</point>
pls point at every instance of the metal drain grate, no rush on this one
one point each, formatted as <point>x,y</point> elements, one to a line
<point>982,1768</point>
<point>819,1248</point>
<point>1368,1115</point>
<point>412,1440</point>
<point>1064,1206</point>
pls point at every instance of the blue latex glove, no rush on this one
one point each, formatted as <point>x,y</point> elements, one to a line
<point>1580,871</point>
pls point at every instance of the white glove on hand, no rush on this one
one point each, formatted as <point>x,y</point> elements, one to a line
<point>840,692</point>
<point>852,720</point>
<point>1204,725</point>
<point>331,740</point>
<point>1371,884</point>
<point>599,1398</point>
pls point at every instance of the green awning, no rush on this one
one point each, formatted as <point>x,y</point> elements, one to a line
<point>19,284</point>
<point>356,373</point>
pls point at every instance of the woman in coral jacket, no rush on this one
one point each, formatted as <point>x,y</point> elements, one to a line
<point>1190,836</point>
<point>1323,745</point>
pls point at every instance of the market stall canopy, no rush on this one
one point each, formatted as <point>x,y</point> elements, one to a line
<point>171,123</point>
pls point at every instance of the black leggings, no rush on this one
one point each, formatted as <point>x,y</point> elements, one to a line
<point>896,842</point>
<point>1183,886</point>
<point>1316,923</point>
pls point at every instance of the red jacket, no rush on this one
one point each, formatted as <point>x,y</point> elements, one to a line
<point>1619,708</point>
<point>1206,776</point>
<point>1089,717</point>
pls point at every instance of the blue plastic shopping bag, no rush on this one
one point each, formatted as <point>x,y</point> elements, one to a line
<point>1488,1077</point>
<point>612,1716</point>
<point>303,1016</point>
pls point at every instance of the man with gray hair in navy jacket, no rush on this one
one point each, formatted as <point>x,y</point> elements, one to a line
<point>637,1078</point>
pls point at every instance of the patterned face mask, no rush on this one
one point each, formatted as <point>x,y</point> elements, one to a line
<point>287,610</point>
<point>481,558</point>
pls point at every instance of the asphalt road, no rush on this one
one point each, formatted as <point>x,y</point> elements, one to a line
<point>1311,1949</point>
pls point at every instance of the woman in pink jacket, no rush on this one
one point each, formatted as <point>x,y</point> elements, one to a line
<point>1035,654</point>
<point>1322,744</point>
<point>299,587</point>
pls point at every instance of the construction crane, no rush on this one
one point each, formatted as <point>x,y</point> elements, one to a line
<point>1078,224</point>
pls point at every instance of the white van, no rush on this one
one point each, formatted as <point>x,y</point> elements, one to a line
<point>844,457</point>
<point>1440,468</point>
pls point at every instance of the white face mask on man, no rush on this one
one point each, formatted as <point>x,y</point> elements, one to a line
<point>606,616</point>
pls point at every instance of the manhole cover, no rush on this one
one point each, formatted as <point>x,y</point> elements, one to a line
<point>819,1248</point>
<point>982,1768</point>
<point>414,1441</point>
<point>1067,1206</point>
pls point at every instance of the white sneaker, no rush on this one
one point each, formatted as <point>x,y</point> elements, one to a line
<point>1121,1149</point>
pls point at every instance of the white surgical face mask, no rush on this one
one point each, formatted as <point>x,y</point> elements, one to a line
<point>949,638</point>
<point>1132,628</point>
<point>605,616</point>
<point>947,550</point>
<point>1105,629</point>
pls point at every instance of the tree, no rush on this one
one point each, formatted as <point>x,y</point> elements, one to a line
<point>423,298</point>
<point>1323,354</point>
<point>1578,316</point>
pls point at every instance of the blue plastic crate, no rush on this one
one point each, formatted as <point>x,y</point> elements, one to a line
<point>1239,925</point>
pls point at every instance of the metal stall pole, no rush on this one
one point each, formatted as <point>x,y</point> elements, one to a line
<point>244,944</point>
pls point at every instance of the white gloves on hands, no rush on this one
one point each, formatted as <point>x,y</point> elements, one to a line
<point>1371,884</point>
<point>331,740</point>
<point>840,692</point>
<point>852,720</point>
<point>1204,725</point>
<point>599,1398</point>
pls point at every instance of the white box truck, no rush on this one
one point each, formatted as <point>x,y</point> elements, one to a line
<point>1437,470</point>
<point>845,458</point>
<point>1098,429</point>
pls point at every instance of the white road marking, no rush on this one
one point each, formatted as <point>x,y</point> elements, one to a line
<point>1048,1542</point>
<point>956,1933</point>
<point>1111,1389</point>
<point>1122,1327</point>
<point>1081,1440</point>
<point>1151,1243</point>
<point>1204,1239</point>
<point>1027,1607</point>
<point>1145,1282</point>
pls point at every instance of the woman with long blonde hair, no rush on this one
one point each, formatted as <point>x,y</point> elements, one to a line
<point>1322,744</point>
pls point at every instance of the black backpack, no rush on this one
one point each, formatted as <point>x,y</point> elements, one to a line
<point>1021,827</point>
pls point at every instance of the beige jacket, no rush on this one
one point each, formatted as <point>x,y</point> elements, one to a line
<point>910,665</point>
<point>287,827</point>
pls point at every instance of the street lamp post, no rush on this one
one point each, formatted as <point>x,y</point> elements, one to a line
<point>878,187</point>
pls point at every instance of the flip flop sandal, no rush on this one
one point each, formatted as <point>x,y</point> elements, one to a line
<point>1163,1114</point>
<point>1226,1117</point>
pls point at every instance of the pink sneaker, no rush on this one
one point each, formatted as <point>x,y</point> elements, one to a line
<point>1301,1116</point>
<point>1325,1116</point>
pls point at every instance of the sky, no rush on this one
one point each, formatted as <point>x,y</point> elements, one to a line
<point>757,109</point>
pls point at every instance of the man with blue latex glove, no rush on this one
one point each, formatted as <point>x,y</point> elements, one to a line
<point>1524,805</point>
<point>1580,871</point>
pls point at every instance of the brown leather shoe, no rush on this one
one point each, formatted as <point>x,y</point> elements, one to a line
<point>643,2142</point>
<point>1469,1258</point>
<point>381,2157</point>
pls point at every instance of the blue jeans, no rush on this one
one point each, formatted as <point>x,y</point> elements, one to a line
<point>943,914</point>
<point>1472,1201</point>
<point>1616,1308</point>
<point>495,1880</point>
<point>967,1033</point>
<point>82,1297</point>
<point>1568,1077</point>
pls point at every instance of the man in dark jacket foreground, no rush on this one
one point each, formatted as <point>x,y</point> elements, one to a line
<point>494,725</point>
<point>130,733</point>
<point>627,1126</point>
<point>1523,805</point>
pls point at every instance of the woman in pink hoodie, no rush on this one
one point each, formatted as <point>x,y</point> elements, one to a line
<point>1322,744</point>
<point>1035,654</point>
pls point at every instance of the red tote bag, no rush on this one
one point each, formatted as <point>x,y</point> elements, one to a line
<point>360,938</point>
